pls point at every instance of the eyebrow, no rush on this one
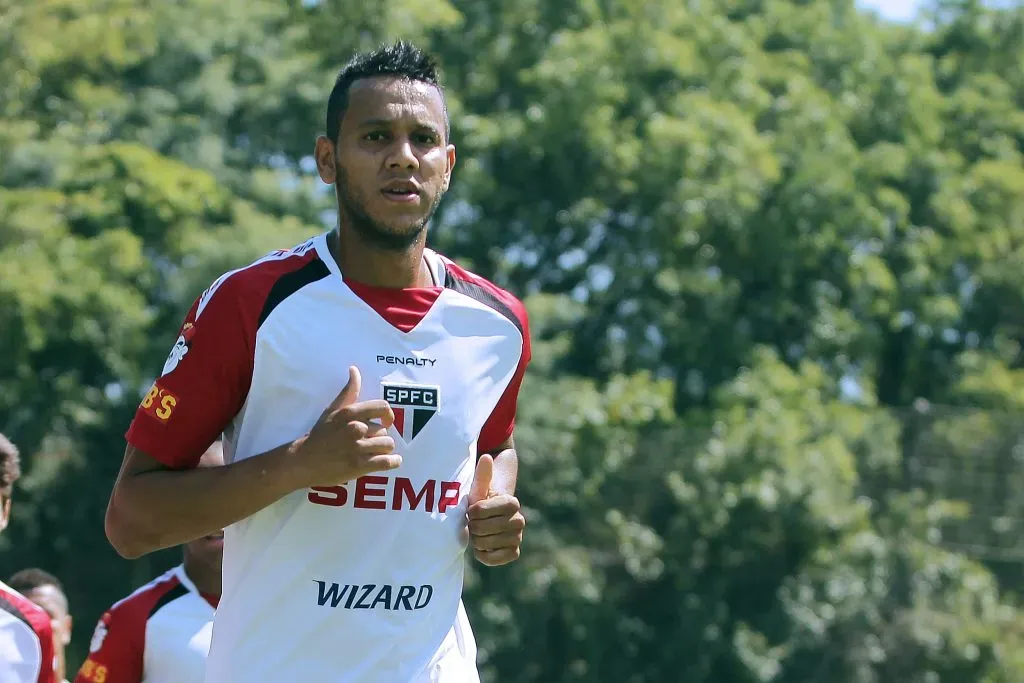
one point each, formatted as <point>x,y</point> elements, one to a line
<point>384,123</point>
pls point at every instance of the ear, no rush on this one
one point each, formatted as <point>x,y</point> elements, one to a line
<point>5,513</point>
<point>323,153</point>
<point>68,623</point>
<point>451,165</point>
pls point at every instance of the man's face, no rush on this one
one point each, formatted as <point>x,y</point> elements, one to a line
<point>208,550</point>
<point>392,162</point>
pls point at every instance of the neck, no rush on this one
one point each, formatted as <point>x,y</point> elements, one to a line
<point>371,265</point>
<point>205,578</point>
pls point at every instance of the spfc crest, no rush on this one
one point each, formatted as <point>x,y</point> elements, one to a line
<point>413,405</point>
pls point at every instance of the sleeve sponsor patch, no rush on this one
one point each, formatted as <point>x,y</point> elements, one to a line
<point>159,403</point>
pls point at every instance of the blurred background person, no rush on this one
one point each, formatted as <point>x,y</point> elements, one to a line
<point>26,632</point>
<point>161,632</point>
<point>46,591</point>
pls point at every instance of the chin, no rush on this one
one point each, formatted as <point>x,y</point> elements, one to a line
<point>391,236</point>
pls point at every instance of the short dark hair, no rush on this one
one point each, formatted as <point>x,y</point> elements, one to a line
<point>10,466</point>
<point>32,578</point>
<point>400,60</point>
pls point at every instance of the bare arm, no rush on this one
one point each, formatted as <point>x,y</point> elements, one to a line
<point>154,507</point>
<point>506,468</point>
<point>495,519</point>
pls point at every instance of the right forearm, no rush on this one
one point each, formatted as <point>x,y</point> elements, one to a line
<point>162,508</point>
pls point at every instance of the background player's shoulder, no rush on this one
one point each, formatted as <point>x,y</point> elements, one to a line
<point>253,284</point>
<point>138,606</point>
<point>23,609</point>
<point>486,292</point>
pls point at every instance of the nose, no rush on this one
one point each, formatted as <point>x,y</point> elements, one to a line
<point>402,155</point>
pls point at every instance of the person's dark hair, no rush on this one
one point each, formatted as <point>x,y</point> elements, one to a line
<point>29,579</point>
<point>401,60</point>
<point>10,466</point>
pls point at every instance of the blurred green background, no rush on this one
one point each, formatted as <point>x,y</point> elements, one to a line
<point>773,251</point>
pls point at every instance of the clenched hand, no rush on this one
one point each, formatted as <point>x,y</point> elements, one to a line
<point>496,522</point>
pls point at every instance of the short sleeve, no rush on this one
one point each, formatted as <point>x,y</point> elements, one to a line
<point>501,423</point>
<point>203,383</point>
<point>48,665</point>
<point>26,641</point>
<point>116,651</point>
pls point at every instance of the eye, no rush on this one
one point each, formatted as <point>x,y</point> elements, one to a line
<point>425,139</point>
<point>375,136</point>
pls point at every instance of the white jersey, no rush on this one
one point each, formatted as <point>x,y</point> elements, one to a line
<point>359,582</point>
<point>158,634</point>
<point>26,640</point>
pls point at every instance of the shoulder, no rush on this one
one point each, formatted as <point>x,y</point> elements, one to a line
<point>118,644</point>
<point>484,291</point>
<point>24,611</point>
<point>139,606</point>
<point>262,284</point>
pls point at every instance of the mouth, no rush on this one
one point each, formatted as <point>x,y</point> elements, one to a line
<point>402,191</point>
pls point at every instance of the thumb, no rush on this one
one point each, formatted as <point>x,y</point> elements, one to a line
<point>481,487</point>
<point>350,393</point>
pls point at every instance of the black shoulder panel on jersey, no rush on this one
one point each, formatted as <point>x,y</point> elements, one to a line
<point>13,609</point>
<point>483,295</point>
<point>173,594</point>
<point>292,282</point>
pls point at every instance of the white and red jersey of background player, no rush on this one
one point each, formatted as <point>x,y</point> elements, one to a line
<point>158,634</point>
<point>26,640</point>
<point>363,581</point>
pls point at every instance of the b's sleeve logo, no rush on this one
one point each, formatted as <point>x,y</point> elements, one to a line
<point>159,403</point>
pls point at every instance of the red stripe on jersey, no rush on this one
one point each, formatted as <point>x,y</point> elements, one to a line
<point>399,420</point>
<point>402,308</point>
<point>118,646</point>
<point>499,426</point>
<point>206,379</point>
<point>38,621</point>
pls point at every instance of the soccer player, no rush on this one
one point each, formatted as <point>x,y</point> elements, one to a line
<point>46,591</point>
<point>366,387</point>
<point>161,632</point>
<point>26,635</point>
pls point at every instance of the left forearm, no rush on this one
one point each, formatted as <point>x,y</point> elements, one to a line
<point>506,472</point>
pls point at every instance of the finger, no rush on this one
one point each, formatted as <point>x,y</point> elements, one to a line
<point>502,505</point>
<point>349,393</point>
<point>376,445</point>
<point>367,411</point>
<point>505,541</point>
<point>497,525</point>
<point>357,430</point>
<point>481,486</point>
<point>382,463</point>
<point>495,558</point>
<point>373,429</point>
<point>364,430</point>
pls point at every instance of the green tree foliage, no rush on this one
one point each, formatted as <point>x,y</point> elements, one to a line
<point>752,234</point>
